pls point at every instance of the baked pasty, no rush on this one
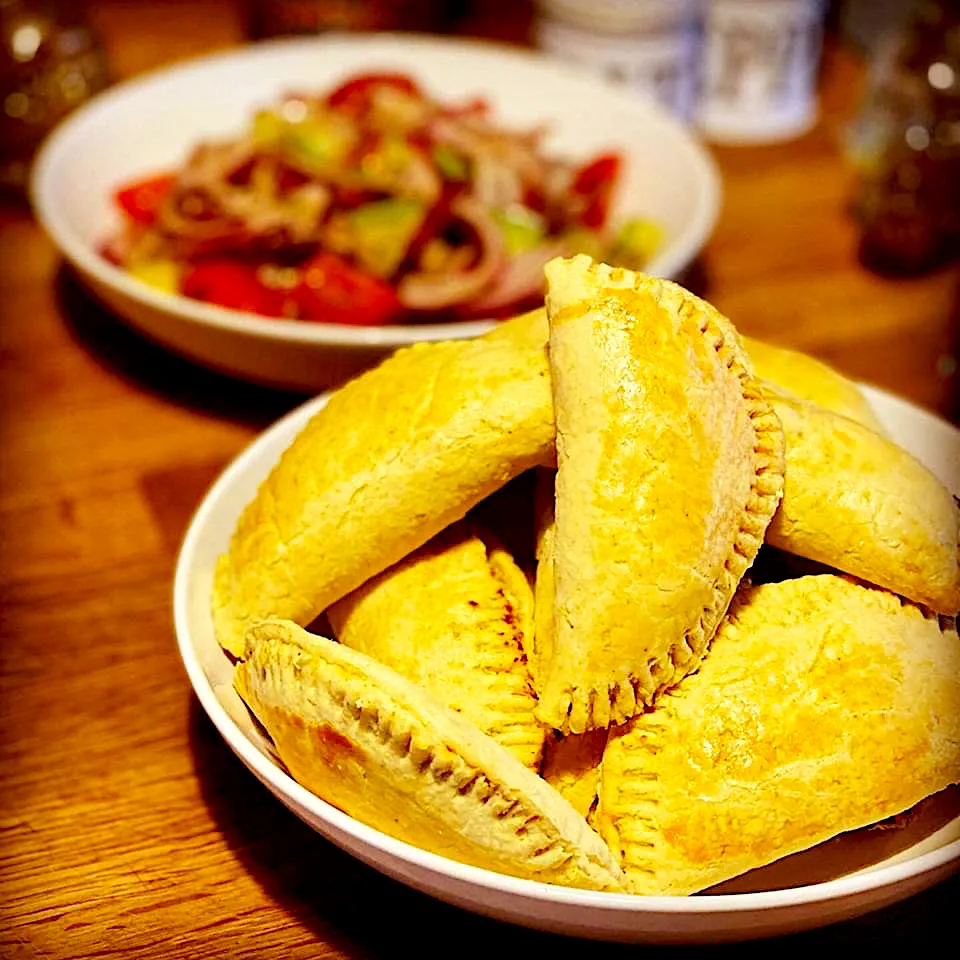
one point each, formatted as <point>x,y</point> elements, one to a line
<point>368,741</point>
<point>540,651</point>
<point>795,373</point>
<point>453,618</point>
<point>859,503</point>
<point>807,378</point>
<point>669,468</point>
<point>396,456</point>
<point>824,705</point>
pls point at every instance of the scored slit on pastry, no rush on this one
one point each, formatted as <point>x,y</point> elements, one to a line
<point>393,458</point>
<point>825,705</point>
<point>669,468</point>
<point>365,739</point>
<point>859,503</point>
<point>454,617</point>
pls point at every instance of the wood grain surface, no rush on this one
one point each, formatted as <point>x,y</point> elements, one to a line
<point>127,828</point>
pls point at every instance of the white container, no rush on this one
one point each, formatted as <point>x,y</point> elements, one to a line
<point>648,45</point>
<point>668,178</point>
<point>869,868</point>
<point>760,61</point>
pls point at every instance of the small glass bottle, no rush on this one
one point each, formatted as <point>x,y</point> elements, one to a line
<point>648,45</point>
<point>50,63</point>
<point>906,145</point>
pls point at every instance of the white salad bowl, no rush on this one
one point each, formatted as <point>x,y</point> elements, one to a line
<point>150,124</point>
<point>845,877</point>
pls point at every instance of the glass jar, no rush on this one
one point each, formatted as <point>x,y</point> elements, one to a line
<point>649,45</point>
<point>905,144</point>
<point>50,63</point>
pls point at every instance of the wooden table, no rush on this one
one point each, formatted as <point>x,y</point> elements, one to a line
<point>128,828</point>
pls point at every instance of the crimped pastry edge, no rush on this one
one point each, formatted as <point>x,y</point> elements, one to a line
<point>512,702</point>
<point>634,788</point>
<point>947,603</point>
<point>628,696</point>
<point>512,583</point>
<point>391,714</point>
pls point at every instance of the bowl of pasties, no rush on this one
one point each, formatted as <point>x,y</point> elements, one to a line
<point>611,622</point>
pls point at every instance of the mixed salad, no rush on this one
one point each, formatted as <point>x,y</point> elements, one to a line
<point>373,204</point>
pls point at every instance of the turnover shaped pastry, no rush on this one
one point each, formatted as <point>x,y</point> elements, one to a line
<point>824,705</point>
<point>669,468</point>
<point>806,378</point>
<point>539,648</point>
<point>794,373</point>
<point>394,457</point>
<point>859,503</point>
<point>453,617</point>
<point>377,746</point>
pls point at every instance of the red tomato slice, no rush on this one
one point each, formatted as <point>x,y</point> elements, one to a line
<point>595,182</point>
<point>233,284</point>
<point>332,291</point>
<point>354,96</point>
<point>141,200</point>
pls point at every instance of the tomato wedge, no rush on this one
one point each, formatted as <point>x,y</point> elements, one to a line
<point>594,182</point>
<point>355,95</point>
<point>141,200</point>
<point>332,291</point>
<point>233,284</point>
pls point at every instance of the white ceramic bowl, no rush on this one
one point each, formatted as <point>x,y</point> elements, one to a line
<point>150,124</point>
<point>870,868</point>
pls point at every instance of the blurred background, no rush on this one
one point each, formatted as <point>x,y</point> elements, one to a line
<point>836,124</point>
<point>835,127</point>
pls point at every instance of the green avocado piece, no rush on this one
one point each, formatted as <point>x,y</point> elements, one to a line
<point>381,232</point>
<point>521,227</point>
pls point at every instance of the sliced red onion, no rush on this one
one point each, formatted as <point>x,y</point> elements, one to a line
<point>520,281</point>
<point>441,291</point>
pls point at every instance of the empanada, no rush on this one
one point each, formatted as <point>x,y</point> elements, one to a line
<point>669,468</point>
<point>859,503</point>
<point>368,741</point>
<point>824,705</point>
<point>453,618</point>
<point>807,378</point>
<point>394,457</point>
<point>796,373</point>
<point>541,649</point>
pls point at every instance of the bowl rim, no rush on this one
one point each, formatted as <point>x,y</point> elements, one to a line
<point>88,261</point>
<point>284,786</point>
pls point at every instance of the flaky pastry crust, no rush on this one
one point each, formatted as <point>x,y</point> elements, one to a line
<point>368,741</point>
<point>824,705</point>
<point>394,457</point>
<point>454,617</point>
<point>669,468</point>
<point>857,502</point>
<point>807,378</point>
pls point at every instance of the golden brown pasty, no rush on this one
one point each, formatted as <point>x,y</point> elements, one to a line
<point>669,468</point>
<point>393,458</point>
<point>453,618</point>
<point>798,374</point>
<point>859,503</point>
<point>806,378</point>
<point>368,741</point>
<point>540,651</point>
<point>824,705</point>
